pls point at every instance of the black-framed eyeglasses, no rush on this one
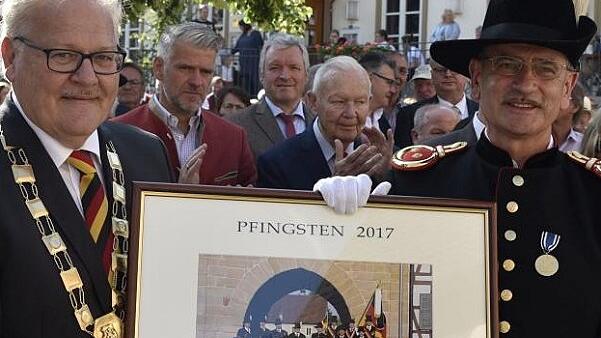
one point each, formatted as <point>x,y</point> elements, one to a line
<point>543,68</point>
<point>389,81</point>
<point>68,61</point>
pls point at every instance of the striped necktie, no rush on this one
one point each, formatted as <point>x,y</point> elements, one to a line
<point>93,198</point>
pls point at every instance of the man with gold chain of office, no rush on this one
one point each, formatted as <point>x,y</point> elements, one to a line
<point>65,173</point>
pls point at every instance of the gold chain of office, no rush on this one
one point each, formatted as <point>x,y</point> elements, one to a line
<point>109,325</point>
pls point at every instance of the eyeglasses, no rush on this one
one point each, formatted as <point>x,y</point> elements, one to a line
<point>389,81</point>
<point>543,69</point>
<point>69,61</point>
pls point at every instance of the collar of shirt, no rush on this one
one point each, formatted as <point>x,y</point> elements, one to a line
<point>478,125</point>
<point>172,120</point>
<point>373,118</point>
<point>328,151</point>
<point>572,142</point>
<point>461,105</point>
<point>58,152</point>
<point>275,110</point>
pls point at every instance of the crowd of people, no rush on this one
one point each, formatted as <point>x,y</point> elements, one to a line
<point>330,328</point>
<point>77,129</point>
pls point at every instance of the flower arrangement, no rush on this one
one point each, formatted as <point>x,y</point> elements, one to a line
<point>348,48</point>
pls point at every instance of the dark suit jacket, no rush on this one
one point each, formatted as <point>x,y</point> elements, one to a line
<point>558,195</point>
<point>33,300</point>
<point>228,160</point>
<point>404,120</point>
<point>296,163</point>
<point>262,128</point>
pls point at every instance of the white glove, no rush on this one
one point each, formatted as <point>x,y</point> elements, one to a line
<point>346,194</point>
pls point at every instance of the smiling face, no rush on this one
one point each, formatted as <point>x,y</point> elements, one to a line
<point>284,76</point>
<point>185,78</point>
<point>522,106</point>
<point>69,107</point>
<point>342,105</point>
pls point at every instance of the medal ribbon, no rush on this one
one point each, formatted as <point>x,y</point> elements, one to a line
<point>549,241</point>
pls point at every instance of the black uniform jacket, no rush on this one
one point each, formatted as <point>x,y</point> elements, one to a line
<point>33,300</point>
<point>557,195</point>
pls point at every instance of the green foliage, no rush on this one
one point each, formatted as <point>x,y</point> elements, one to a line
<point>270,15</point>
<point>288,16</point>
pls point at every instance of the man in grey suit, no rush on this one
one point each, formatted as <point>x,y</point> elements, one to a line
<point>280,114</point>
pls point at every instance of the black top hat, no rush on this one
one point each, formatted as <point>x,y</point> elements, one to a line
<point>297,326</point>
<point>551,24</point>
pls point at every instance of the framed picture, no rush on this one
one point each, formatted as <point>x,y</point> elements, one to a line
<point>230,262</point>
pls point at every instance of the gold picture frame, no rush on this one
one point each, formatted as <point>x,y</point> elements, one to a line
<point>202,257</point>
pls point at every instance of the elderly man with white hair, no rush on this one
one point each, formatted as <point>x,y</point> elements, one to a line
<point>432,121</point>
<point>340,96</point>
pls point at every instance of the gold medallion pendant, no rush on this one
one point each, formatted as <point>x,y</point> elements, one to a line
<point>546,265</point>
<point>108,326</point>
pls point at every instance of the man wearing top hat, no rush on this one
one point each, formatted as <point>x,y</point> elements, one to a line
<point>296,332</point>
<point>523,69</point>
<point>244,331</point>
<point>278,332</point>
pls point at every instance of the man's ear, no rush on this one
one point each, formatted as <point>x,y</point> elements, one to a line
<point>568,85</point>
<point>158,68</point>
<point>413,136</point>
<point>8,58</point>
<point>475,68</point>
<point>312,100</point>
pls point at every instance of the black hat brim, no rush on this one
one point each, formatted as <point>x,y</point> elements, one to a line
<point>457,54</point>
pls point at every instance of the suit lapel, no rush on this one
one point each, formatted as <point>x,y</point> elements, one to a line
<point>266,121</point>
<point>313,154</point>
<point>59,203</point>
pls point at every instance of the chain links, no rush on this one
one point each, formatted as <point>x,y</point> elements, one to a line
<point>57,247</point>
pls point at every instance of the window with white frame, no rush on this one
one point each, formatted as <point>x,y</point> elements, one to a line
<point>403,17</point>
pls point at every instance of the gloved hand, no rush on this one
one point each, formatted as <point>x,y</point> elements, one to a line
<point>345,194</point>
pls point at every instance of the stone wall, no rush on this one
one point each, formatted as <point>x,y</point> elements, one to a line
<point>228,283</point>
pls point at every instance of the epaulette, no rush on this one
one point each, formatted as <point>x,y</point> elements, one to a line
<point>590,163</point>
<point>421,157</point>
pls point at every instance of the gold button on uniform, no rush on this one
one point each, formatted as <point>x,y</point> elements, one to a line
<point>512,207</point>
<point>504,326</point>
<point>510,235</point>
<point>508,265</point>
<point>506,295</point>
<point>518,180</point>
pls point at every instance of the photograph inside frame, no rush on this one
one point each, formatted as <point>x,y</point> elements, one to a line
<point>276,297</point>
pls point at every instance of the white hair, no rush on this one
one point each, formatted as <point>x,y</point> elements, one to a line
<point>199,35</point>
<point>419,120</point>
<point>16,14</point>
<point>283,41</point>
<point>336,66</point>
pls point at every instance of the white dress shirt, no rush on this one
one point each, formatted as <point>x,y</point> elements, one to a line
<point>461,105</point>
<point>185,143</point>
<point>59,155</point>
<point>572,142</point>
